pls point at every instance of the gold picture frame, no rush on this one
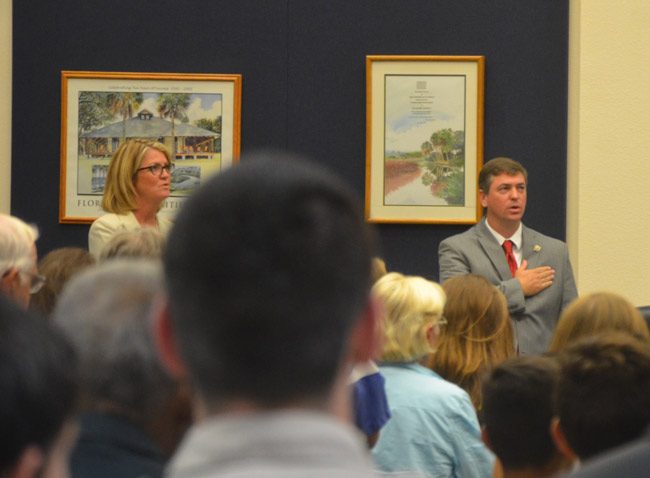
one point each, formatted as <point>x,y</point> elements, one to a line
<point>196,115</point>
<point>424,138</point>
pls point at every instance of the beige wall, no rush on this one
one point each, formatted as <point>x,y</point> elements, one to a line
<point>5,104</point>
<point>608,220</point>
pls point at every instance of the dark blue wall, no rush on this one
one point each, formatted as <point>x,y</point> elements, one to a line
<point>303,71</point>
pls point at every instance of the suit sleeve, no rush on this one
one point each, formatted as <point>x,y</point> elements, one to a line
<point>570,291</point>
<point>454,262</point>
<point>451,261</point>
<point>511,288</point>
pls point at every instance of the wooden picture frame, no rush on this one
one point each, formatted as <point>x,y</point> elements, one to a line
<point>424,138</point>
<point>196,115</point>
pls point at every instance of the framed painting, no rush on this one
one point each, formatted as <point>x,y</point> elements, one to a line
<point>424,138</point>
<point>197,116</point>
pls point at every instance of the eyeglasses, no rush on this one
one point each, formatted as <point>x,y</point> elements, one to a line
<point>442,321</point>
<point>157,169</point>
<point>36,281</point>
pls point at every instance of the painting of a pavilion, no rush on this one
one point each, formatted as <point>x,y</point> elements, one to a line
<point>195,148</point>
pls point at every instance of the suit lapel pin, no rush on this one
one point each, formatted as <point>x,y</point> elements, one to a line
<point>537,248</point>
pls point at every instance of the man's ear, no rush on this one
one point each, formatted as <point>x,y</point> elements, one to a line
<point>166,342</point>
<point>367,336</point>
<point>561,443</point>
<point>29,463</point>
<point>482,198</point>
<point>485,437</point>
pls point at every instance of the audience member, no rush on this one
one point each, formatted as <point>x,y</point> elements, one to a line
<point>603,395</point>
<point>268,275</point>
<point>371,410</point>
<point>143,242</point>
<point>478,334</point>
<point>58,266</point>
<point>433,426</point>
<point>137,184</point>
<point>629,461</point>
<point>20,277</point>
<point>134,413</point>
<point>37,403</point>
<point>597,313</point>
<point>518,408</point>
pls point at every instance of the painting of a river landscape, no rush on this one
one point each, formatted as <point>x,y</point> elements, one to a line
<point>424,153</point>
<point>424,134</point>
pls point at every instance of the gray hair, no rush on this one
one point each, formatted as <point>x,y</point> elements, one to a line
<point>17,239</point>
<point>106,313</point>
<point>145,242</point>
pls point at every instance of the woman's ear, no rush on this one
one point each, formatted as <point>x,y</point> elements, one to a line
<point>8,280</point>
<point>433,335</point>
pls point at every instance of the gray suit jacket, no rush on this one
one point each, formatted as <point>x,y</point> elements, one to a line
<point>476,251</point>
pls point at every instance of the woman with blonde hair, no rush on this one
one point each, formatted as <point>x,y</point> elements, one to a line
<point>137,184</point>
<point>478,334</point>
<point>433,428</point>
<point>598,313</point>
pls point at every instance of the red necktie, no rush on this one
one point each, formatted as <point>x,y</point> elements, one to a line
<point>510,257</point>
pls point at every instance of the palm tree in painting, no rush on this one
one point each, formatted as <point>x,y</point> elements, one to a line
<point>125,105</point>
<point>426,149</point>
<point>173,106</point>
<point>443,139</point>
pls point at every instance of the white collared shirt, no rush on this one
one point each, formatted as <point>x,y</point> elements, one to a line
<point>515,238</point>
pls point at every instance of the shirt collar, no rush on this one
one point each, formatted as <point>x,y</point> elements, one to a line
<point>515,238</point>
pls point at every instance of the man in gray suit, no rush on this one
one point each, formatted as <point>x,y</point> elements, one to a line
<point>531,269</point>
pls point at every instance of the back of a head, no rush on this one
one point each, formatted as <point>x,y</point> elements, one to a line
<point>58,266</point>
<point>478,334</point>
<point>412,305</point>
<point>603,396</point>
<point>144,242</point>
<point>595,314</point>
<point>38,383</point>
<point>517,411</point>
<point>268,268</point>
<point>106,313</point>
<point>17,240</point>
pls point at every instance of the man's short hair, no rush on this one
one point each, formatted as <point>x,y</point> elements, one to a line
<point>268,269</point>
<point>17,240</point>
<point>38,383</point>
<point>603,395</point>
<point>497,166</point>
<point>517,411</point>
<point>106,313</point>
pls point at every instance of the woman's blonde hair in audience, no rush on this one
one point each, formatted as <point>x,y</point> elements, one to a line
<point>597,313</point>
<point>412,306</point>
<point>478,334</point>
<point>119,193</point>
